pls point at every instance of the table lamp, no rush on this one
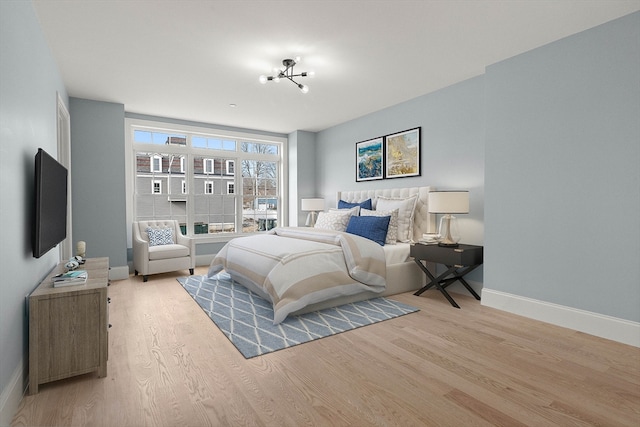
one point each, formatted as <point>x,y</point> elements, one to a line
<point>448,203</point>
<point>313,206</point>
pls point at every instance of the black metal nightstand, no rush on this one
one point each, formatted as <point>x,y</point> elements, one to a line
<point>459,260</point>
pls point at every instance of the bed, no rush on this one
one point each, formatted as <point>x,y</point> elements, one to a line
<point>352,267</point>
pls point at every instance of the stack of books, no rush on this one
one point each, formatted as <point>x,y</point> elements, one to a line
<point>73,277</point>
<point>430,239</point>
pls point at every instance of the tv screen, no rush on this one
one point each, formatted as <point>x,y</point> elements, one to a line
<point>51,204</point>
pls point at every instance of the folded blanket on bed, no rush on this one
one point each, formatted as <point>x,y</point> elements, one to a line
<point>297,266</point>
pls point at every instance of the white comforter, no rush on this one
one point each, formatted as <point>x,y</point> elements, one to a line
<point>295,266</point>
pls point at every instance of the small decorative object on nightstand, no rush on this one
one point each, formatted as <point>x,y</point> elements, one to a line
<point>459,261</point>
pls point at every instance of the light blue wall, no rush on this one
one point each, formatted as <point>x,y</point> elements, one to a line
<point>452,150</point>
<point>452,126</point>
<point>559,161</point>
<point>563,172</point>
<point>29,81</point>
<point>302,173</point>
<point>98,178</point>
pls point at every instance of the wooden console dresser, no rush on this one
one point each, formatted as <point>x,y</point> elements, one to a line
<point>68,326</point>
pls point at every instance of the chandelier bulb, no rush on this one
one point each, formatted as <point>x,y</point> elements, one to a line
<point>288,73</point>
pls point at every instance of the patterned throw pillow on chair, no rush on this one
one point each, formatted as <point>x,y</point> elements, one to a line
<point>160,236</point>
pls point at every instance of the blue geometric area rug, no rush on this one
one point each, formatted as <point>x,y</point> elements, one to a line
<point>247,319</point>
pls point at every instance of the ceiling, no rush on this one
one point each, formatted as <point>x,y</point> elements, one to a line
<point>192,59</point>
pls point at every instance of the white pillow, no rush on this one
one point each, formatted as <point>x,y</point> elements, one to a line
<point>333,220</point>
<point>406,210</point>
<point>392,231</point>
<point>354,211</point>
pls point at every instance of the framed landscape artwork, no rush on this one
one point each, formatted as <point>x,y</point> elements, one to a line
<point>402,154</point>
<point>369,160</point>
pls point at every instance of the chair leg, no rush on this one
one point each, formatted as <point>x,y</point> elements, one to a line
<point>145,278</point>
<point>191,271</point>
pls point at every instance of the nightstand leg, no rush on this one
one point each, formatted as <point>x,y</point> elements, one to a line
<point>429,275</point>
<point>469,288</point>
<point>457,275</point>
<point>435,281</point>
<point>446,295</point>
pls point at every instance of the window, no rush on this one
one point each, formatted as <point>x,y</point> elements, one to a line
<point>217,184</point>
<point>158,192</point>
<point>158,137</point>
<point>156,163</point>
<point>260,193</point>
<point>253,147</point>
<point>214,143</point>
<point>208,165</point>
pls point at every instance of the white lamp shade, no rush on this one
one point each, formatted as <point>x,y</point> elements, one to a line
<point>313,205</point>
<point>449,202</point>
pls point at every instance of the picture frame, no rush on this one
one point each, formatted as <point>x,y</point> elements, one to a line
<point>370,159</point>
<point>402,154</point>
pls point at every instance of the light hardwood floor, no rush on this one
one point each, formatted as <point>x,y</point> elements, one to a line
<point>169,365</point>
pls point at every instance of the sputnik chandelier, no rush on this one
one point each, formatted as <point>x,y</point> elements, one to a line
<point>288,73</point>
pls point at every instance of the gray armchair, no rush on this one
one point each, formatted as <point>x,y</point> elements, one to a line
<point>175,252</point>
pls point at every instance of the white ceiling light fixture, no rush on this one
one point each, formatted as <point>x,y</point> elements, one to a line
<point>288,73</point>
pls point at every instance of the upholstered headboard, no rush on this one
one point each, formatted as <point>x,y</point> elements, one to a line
<point>423,221</point>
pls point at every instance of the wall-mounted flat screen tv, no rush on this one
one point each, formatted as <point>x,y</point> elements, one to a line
<point>51,204</point>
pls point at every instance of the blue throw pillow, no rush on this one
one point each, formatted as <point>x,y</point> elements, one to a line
<point>346,205</point>
<point>372,227</point>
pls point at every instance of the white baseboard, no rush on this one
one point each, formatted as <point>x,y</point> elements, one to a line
<point>620,330</point>
<point>12,395</point>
